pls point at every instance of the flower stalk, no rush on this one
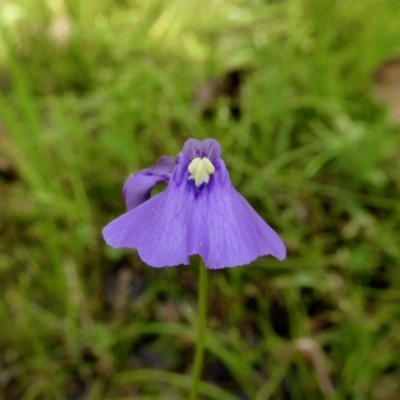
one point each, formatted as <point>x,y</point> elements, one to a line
<point>201,330</point>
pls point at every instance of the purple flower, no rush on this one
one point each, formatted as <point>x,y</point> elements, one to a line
<point>199,212</point>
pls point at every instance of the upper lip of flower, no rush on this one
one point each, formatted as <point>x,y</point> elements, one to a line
<point>209,148</point>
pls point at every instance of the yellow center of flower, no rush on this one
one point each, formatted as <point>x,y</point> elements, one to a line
<point>200,170</point>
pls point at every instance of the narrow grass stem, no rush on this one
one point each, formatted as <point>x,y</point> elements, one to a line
<point>201,330</point>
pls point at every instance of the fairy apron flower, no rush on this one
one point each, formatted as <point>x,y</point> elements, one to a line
<point>199,212</point>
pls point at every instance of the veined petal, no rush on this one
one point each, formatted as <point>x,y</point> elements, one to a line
<point>138,187</point>
<point>158,228</point>
<point>209,148</point>
<point>236,234</point>
<point>216,222</point>
<point>226,231</point>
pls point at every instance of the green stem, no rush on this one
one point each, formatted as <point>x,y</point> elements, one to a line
<point>201,330</point>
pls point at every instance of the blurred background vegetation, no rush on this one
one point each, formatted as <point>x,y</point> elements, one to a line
<point>303,96</point>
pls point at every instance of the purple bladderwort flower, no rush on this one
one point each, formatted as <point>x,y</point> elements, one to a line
<point>199,212</point>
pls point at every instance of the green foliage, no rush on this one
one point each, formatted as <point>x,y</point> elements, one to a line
<point>91,91</point>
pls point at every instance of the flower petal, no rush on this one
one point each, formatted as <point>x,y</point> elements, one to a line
<point>216,223</point>
<point>158,229</point>
<point>236,234</point>
<point>226,231</point>
<point>209,148</point>
<point>138,187</point>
